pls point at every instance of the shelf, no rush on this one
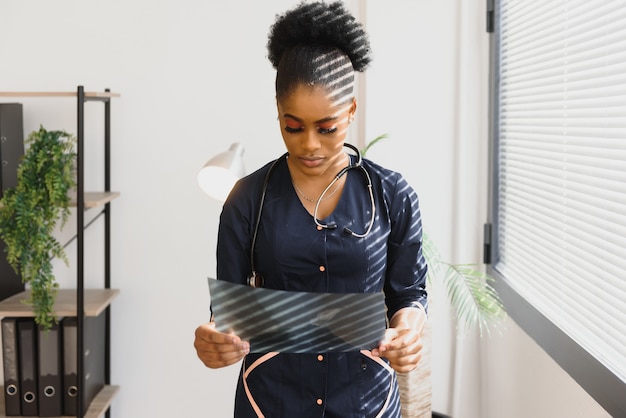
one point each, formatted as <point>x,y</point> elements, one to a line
<point>96,94</point>
<point>92,199</point>
<point>101,402</point>
<point>92,302</point>
<point>96,301</point>
<point>98,407</point>
<point>95,199</point>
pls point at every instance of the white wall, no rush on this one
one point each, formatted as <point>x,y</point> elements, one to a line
<point>194,78</point>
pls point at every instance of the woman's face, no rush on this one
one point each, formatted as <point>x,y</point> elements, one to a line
<point>314,129</point>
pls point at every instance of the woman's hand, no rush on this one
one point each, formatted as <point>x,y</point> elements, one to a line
<point>217,349</point>
<point>402,345</point>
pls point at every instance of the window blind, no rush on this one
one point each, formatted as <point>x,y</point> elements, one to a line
<point>561,166</point>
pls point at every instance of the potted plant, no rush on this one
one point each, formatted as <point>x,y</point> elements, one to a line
<point>30,212</point>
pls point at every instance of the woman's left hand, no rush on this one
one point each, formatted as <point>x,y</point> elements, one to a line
<point>402,344</point>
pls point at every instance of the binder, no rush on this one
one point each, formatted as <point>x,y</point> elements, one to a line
<point>50,387</point>
<point>11,377</point>
<point>70,381</point>
<point>11,152</point>
<point>10,282</point>
<point>94,362</point>
<point>11,143</point>
<point>27,360</point>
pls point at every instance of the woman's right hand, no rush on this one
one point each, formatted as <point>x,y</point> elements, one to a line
<point>217,349</point>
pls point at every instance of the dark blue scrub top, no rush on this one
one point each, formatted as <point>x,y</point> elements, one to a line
<point>293,254</point>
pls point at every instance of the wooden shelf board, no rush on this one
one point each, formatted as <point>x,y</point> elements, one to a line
<point>56,94</point>
<point>98,407</point>
<point>95,199</point>
<point>96,301</point>
<point>92,199</point>
<point>101,402</point>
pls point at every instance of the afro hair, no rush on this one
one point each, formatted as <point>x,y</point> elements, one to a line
<point>325,25</point>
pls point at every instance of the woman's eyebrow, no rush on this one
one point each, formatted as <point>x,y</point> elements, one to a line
<point>290,116</point>
<point>326,119</point>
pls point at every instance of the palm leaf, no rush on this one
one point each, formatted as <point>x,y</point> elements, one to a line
<point>372,143</point>
<point>474,300</point>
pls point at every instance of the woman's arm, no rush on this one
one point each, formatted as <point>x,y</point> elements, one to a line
<point>405,283</point>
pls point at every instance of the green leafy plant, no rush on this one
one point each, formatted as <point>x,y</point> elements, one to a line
<point>30,212</point>
<point>373,142</point>
<point>472,297</point>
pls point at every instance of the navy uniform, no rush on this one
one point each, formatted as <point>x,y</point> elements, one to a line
<point>292,253</point>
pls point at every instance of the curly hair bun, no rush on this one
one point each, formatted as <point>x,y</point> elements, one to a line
<point>320,24</point>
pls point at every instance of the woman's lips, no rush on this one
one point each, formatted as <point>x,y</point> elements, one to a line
<point>311,161</point>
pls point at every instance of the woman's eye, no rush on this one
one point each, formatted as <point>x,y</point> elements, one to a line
<point>293,126</point>
<point>326,131</point>
<point>293,130</point>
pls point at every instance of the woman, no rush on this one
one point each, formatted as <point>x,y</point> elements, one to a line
<point>320,232</point>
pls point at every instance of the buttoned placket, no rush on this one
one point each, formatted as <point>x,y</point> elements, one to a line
<point>321,359</point>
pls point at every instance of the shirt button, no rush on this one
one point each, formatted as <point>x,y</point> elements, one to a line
<point>319,228</point>
<point>319,401</point>
<point>320,358</point>
<point>322,268</point>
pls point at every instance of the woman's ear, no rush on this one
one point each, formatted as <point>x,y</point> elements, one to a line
<point>352,110</point>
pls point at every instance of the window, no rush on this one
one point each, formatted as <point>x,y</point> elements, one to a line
<point>558,203</point>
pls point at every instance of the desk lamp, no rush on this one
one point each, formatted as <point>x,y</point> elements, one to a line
<point>219,174</point>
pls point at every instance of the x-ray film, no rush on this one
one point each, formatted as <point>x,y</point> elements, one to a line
<point>298,322</point>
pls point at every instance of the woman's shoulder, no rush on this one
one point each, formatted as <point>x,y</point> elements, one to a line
<point>249,186</point>
<point>391,182</point>
<point>383,174</point>
<point>258,175</point>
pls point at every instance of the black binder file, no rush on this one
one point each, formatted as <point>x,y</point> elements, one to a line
<point>50,388</point>
<point>11,143</point>
<point>11,376</point>
<point>27,336</point>
<point>94,335</point>
<point>11,153</point>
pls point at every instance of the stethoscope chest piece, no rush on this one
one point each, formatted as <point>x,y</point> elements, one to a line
<point>256,280</point>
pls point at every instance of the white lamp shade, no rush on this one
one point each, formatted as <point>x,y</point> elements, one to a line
<point>219,174</point>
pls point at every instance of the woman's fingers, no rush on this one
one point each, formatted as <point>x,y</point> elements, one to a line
<point>403,349</point>
<point>217,349</point>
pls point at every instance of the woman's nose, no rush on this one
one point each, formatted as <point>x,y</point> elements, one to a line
<point>310,140</point>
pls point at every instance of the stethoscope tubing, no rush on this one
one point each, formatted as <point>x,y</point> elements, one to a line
<point>255,279</point>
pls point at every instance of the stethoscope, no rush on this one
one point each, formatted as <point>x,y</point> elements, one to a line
<point>255,279</point>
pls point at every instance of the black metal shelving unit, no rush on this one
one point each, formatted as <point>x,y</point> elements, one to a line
<point>87,301</point>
